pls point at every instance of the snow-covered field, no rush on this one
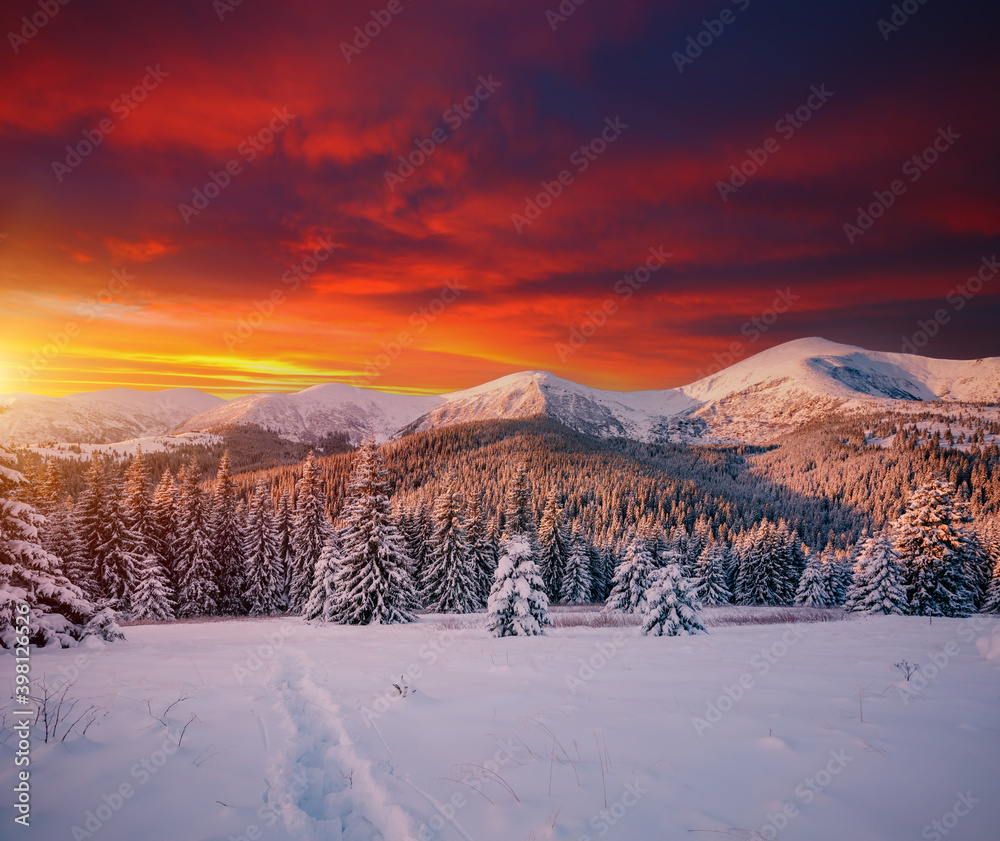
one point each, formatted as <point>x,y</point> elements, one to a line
<point>791,731</point>
<point>149,444</point>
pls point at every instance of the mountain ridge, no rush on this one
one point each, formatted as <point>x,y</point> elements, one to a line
<point>754,399</point>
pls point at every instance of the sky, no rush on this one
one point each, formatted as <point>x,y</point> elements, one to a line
<point>264,196</point>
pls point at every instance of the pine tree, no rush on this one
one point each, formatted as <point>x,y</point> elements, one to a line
<point>450,584</point>
<point>197,592</point>
<point>553,547</point>
<point>877,586</point>
<point>577,585</point>
<point>322,605</point>
<point>59,613</point>
<point>481,547</point>
<point>373,582</point>
<point>226,538</point>
<point>309,531</point>
<point>517,604</point>
<point>932,542</point>
<point>712,571</point>
<point>668,608</point>
<point>260,550</point>
<point>153,598</point>
<point>814,586</point>
<point>631,578</point>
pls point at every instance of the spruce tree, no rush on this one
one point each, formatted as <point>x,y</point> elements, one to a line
<point>577,585</point>
<point>814,586</point>
<point>153,598</point>
<point>259,551</point>
<point>163,528</point>
<point>91,520</point>
<point>482,548</point>
<point>450,585</point>
<point>225,535</point>
<point>553,546</point>
<point>991,545</point>
<point>310,529</point>
<point>373,582</point>
<point>59,612</point>
<point>712,571</point>
<point>631,578</point>
<point>197,592</point>
<point>767,572</point>
<point>322,605</point>
<point>518,517</point>
<point>286,551</point>
<point>517,605</point>
<point>932,542</point>
<point>877,585</point>
<point>669,606</point>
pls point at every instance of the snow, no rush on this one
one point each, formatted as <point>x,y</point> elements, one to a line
<point>421,731</point>
<point>148,444</point>
<point>752,400</point>
<point>109,415</point>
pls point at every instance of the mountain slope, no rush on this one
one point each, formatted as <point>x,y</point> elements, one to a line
<point>757,398</point>
<point>98,416</point>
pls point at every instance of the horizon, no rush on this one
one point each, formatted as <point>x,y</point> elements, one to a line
<point>385,390</point>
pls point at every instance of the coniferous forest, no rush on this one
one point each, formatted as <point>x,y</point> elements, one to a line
<point>875,514</point>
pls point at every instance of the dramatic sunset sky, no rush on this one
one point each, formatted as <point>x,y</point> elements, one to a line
<point>105,280</point>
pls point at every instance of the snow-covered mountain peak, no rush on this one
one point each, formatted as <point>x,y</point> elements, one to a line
<point>752,400</point>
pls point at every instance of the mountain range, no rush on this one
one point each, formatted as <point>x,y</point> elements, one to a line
<point>751,401</point>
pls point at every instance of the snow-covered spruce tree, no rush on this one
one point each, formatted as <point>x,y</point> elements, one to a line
<point>481,547</point>
<point>415,528</point>
<point>153,597</point>
<point>310,529</point>
<point>59,612</point>
<point>90,517</point>
<point>119,558</point>
<point>322,605</point>
<point>197,592</point>
<point>226,538</point>
<point>373,582</point>
<point>163,529</point>
<point>603,562</point>
<point>767,573</point>
<point>814,585</point>
<point>62,540</point>
<point>712,571</point>
<point>286,551</point>
<point>837,572</point>
<point>991,546</point>
<point>450,582</point>
<point>669,606</point>
<point>517,605</point>
<point>631,578</point>
<point>678,542</point>
<point>518,517</point>
<point>577,585</point>
<point>932,542</point>
<point>259,550</point>
<point>877,586</point>
<point>553,546</point>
